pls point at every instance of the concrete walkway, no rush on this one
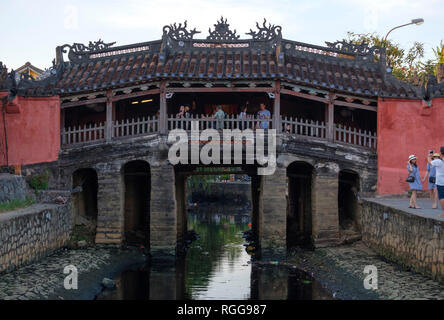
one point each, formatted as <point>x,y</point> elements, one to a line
<point>403,204</point>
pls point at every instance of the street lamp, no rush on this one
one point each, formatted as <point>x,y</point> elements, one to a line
<point>418,22</point>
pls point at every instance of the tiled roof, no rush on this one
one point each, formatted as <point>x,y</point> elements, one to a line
<point>339,67</point>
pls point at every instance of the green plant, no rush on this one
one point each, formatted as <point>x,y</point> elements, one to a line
<point>40,182</point>
<point>407,65</point>
<point>15,204</point>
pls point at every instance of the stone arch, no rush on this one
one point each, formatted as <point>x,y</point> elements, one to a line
<point>136,176</point>
<point>299,204</point>
<point>85,188</point>
<point>348,196</point>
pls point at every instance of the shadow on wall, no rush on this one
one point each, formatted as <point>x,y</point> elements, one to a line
<point>299,207</point>
<point>137,180</point>
<point>85,186</point>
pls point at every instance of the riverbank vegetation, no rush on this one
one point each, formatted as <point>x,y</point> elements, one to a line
<point>15,204</point>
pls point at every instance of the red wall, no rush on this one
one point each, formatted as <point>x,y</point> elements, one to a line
<point>406,127</point>
<point>32,130</point>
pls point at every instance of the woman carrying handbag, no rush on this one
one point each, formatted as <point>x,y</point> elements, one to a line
<point>414,180</point>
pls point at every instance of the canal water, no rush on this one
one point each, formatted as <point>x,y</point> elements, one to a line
<point>216,266</point>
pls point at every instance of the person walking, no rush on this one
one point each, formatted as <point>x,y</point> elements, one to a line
<point>439,165</point>
<point>415,184</point>
<point>430,176</point>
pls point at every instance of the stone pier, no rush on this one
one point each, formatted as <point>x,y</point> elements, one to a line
<point>110,205</point>
<point>273,214</point>
<point>163,221</point>
<point>325,204</point>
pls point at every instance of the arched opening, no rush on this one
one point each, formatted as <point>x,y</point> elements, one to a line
<point>137,178</point>
<point>299,208</point>
<point>85,187</point>
<point>348,196</point>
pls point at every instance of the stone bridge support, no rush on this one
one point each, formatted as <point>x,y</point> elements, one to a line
<point>163,211</point>
<point>109,204</point>
<point>325,204</point>
<point>273,214</point>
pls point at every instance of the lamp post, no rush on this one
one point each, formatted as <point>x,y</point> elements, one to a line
<point>418,22</point>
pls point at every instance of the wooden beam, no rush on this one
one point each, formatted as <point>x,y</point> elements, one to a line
<point>355,105</point>
<point>277,108</point>
<point>136,94</point>
<point>331,118</point>
<point>220,89</point>
<point>163,118</point>
<point>82,103</point>
<point>304,95</point>
<point>109,116</point>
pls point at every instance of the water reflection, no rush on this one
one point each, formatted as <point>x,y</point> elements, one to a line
<point>216,266</point>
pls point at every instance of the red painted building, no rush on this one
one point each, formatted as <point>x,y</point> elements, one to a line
<point>406,126</point>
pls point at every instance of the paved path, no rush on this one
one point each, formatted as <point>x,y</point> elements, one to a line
<point>403,204</point>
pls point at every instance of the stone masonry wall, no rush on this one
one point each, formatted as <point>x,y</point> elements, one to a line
<point>29,234</point>
<point>12,187</point>
<point>412,241</point>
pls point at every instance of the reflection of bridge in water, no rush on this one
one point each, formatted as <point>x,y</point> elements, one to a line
<point>216,266</point>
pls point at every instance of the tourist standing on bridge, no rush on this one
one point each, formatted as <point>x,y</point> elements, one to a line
<point>219,115</point>
<point>243,118</point>
<point>431,177</point>
<point>263,113</point>
<point>439,165</point>
<point>415,184</point>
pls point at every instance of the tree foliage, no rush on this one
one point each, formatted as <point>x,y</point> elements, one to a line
<point>407,65</point>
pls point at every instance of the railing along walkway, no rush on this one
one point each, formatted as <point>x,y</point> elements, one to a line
<point>146,125</point>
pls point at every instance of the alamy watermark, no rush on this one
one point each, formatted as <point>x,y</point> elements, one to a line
<point>371,278</point>
<point>71,280</point>
<point>230,146</point>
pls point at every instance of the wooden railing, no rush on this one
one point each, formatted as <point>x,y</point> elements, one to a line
<point>83,134</point>
<point>305,127</point>
<point>135,127</point>
<point>143,126</point>
<point>355,136</point>
<point>229,122</point>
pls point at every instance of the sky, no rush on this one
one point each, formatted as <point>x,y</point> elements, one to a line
<point>32,29</point>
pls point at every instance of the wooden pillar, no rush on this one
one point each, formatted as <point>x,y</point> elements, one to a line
<point>277,108</point>
<point>163,117</point>
<point>109,116</point>
<point>330,115</point>
<point>62,125</point>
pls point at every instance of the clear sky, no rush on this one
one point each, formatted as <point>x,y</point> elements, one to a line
<point>31,30</point>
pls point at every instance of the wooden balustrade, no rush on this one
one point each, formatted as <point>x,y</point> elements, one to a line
<point>83,134</point>
<point>135,127</point>
<point>305,127</point>
<point>229,122</point>
<point>355,136</point>
<point>146,125</point>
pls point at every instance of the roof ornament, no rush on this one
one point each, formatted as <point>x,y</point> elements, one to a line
<point>362,49</point>
<point>222,31</point>
<point>179,32</point>
<point>78,49</point>
<point>92,46</point>
<point>265,32</point>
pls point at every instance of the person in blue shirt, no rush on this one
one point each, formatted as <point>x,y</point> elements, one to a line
<point>431,177</point>
<point>263,113</point>
<point>416,185</point>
